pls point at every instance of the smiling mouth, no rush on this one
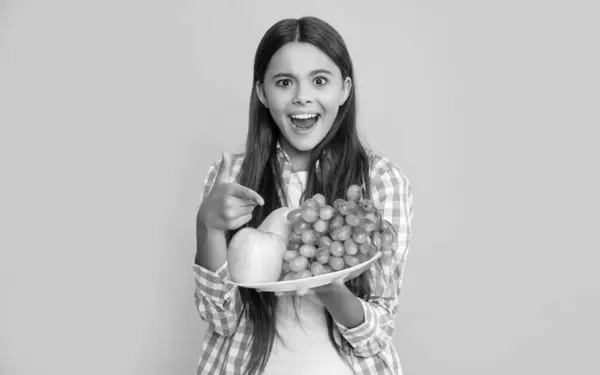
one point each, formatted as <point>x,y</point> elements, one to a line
<point>304,121</point>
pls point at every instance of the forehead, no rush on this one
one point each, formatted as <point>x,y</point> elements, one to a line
<point>300,58</point>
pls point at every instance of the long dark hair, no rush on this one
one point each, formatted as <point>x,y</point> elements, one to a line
<point>343,162</point>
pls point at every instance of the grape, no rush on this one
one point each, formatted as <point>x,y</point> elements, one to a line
<point>310,203</point>
<point>338,202</point>
<point>323,256</point>
<point>310,237</point>
<point>326,212</point>
<point>334,234</point>
<point>295,238</point>
<point>369,225</point>
<point>321,226</point>
<point>363,258</point>
<point>308,251</point>
<point>367,205</point>
<point>303,274</point>
<point>351,260</point>
<point>353,207</point>
<point>320,199</point>
<point>325,241</point>
<point>298,264</point>
<point>363,248</point>
<point>372,250</point>
<point>386,226</point>
<point>373,217</point>
<point>301,227</point>
<point>344,233</point>
<point>337,249</point>
<point>348,208</point>
<point>361,215</point>
<point>360,235</point>
<point>353,193</point>
<point>286,267</point>
<point>316,269</point>
<point>336,263</point>
<point>295,246</point>
<point>337,221</point>
<point>352,220</point>
<point>294,215</point>
<point>376,237</point>
<point>386,240</point>
<point>288,255</point>
<point>350,246</point>
<point>327,238</point>
<point>310,214</point>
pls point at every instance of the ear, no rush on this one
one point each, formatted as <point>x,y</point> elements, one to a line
<point>260,91</point>
<point>346,90</point>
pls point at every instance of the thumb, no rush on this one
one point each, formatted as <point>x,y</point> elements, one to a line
<point>225,168</point>
<point>304,292</point>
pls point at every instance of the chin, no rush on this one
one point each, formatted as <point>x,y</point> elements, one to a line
<point>304,146</point>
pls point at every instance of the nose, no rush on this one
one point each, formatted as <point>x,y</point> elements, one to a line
<point>303,94</point>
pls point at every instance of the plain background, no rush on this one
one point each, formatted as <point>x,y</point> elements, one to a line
<point>112,111</point>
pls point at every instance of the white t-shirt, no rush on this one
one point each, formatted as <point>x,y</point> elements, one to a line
<point>306,348</point>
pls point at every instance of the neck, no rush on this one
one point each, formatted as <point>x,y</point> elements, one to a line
<point>299,159</point>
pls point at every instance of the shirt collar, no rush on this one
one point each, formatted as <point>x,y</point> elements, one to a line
<point>284,157</point>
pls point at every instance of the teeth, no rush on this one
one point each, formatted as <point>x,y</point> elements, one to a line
<point>304,116</point>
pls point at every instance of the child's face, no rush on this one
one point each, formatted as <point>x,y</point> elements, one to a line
<point>303,89</point>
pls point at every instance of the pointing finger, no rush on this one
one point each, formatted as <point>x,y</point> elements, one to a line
<point>243,192</point>
<point>241,202</point>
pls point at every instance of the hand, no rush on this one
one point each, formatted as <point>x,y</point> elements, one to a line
<point>229,204</point>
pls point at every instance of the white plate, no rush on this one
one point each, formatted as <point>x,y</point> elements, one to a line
<point>309,282</point>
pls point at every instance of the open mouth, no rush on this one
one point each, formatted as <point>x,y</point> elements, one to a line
<point>304,122</point>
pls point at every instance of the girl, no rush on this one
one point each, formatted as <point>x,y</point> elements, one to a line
<point>302,140</point>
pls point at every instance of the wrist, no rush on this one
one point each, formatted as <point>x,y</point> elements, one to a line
<point>211,245</point>
<point>204,229</point>
<point>204,220</point>
<point>345,308</point>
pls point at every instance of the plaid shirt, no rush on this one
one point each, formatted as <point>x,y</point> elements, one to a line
<point>219,304</point>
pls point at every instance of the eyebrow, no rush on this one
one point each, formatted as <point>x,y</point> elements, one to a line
<point>313,73</point>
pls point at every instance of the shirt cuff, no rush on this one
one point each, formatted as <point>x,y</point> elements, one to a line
<point>360,334</point>
<point>221,272</point>
<point>214,285</point>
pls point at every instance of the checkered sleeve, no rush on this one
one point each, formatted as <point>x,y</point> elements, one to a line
<point>216,299</point>
<point>392,193</point>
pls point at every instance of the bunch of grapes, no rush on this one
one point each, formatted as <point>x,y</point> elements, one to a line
<point>328,238</point>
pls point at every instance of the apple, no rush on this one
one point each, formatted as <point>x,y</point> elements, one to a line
<point>256,255</point>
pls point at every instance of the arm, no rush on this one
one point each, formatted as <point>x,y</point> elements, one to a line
<point>211,246</point>
<point>217,301</point>
<point>369,331</point>
<point>345,308</point>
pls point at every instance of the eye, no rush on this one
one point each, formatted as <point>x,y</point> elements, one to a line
<point>321,81</point>
<point>284,82</point>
